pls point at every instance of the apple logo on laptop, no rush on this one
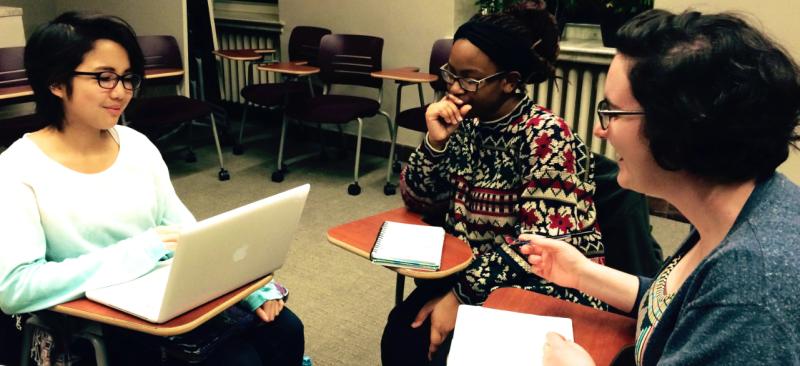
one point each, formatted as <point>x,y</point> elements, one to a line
<point>240,253</point>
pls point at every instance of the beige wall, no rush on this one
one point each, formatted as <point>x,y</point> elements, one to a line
<point>34,12</point>
<point>148,17</point>
<point>778,18</point>
<point>407,27</point>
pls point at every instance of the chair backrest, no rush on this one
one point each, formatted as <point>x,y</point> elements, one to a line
<point>160,52</point>
<point>440,53</point>
<point>304,43</point>
<point>12,67</point>
<point>349,59</point>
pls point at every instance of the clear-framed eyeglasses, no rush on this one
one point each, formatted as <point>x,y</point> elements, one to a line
<point>468,84</point>
<point>605,114</point>
<point>109,79</point>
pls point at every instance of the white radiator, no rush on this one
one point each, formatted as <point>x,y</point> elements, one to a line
<point>234,73</point>
<point>573,96</point>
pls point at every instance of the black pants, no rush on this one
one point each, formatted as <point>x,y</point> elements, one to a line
<point>278,343</point>
<point>403,345</point>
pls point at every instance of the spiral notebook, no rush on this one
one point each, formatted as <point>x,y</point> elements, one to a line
<point>409,246</point>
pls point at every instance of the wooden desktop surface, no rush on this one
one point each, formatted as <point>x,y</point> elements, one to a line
<point>87,309</point>
<point>601,333</point>
<point>240,55</point>
<point>359,236</point>
<point>15,92</point>
<point>405,74</point>
<point>289,68</point>
<point>158,73</point>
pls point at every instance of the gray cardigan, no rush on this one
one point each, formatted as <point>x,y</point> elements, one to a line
<point>741,305</point>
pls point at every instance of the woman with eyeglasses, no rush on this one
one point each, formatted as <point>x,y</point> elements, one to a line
<point>701,110</point>
<point>495,165</point>
<point>87,203</point>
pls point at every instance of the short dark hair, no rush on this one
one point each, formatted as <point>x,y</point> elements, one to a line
<point>721,99</point>
<point>55,49</point>
<point>529,20</point>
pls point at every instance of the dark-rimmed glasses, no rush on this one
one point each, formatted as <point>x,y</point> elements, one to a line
<point>605,114</point>
<point>468,84</point>
<point>109,80</point>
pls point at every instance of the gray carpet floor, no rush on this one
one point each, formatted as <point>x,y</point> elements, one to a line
<point>342,299</point>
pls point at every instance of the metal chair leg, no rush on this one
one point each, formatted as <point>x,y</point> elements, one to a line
<point>100,354</point>
<point>354,189</point>
<point>277,175</point>
<point>389,188</point>
<point>190,155</point>
<point>27,342</point>
<point>238,148</point>
<point>223,174</point>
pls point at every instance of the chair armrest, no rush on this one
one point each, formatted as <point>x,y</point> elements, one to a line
<point>405,75</point>
<point>159,73</point>
<point>244,54</point>
<point>289,68</point>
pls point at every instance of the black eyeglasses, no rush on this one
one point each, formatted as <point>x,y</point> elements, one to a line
<point>109,80</point>
<point>605,114</point>
<point>468,84</point>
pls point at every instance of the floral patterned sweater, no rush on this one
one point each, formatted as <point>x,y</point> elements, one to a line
<point>526,172</point>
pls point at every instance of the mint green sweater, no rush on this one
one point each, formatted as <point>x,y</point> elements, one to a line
<point>64,232</point>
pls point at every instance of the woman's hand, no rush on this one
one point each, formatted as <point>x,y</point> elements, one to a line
<point>270,310</point>
<point>442,119</point>
<point>554,260</point>
<point>443,312</point>
<point>559,351</point>
<point>169,236</point>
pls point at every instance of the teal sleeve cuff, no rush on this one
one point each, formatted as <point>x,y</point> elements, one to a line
<point>155,248</point>
<point>270,291</point>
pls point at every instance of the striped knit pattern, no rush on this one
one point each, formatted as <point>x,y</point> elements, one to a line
<point>525,172</point>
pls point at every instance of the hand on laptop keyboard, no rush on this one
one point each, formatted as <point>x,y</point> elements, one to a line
<point>169,236</point>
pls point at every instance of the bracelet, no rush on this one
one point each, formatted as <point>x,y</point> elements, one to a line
<point>433,149</point>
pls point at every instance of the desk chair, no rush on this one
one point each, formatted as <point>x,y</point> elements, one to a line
<point>14,89</point>
<point>344,59</point>
<point>303,48</point>
<point>65,330</point>
<point>161,117</point>
<point>414,118</point>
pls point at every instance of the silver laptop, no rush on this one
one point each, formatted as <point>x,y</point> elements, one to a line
<point>213,257</point>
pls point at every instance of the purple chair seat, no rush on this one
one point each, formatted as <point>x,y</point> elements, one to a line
<point>167,110</point>
<point>273,94</point>
<point>154,117</point>
<point>413,119</point>
<point>336,109</point>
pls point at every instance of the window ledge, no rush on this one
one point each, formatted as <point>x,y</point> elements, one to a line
<point>583,43</point>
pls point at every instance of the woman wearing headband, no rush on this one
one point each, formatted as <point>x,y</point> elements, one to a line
<point>496,165</point>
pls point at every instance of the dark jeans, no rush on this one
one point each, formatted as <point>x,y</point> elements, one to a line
<point>278,343</point>
<point>403,345</point>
